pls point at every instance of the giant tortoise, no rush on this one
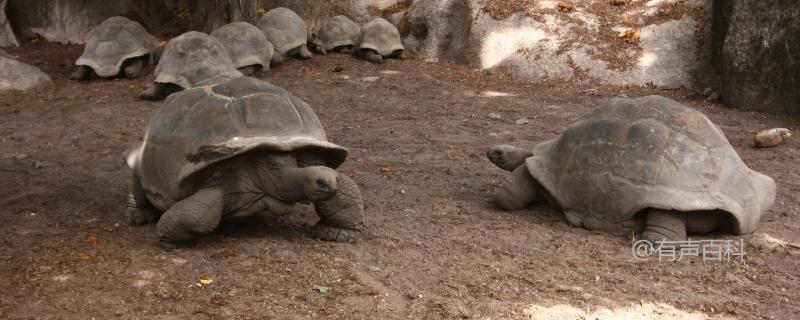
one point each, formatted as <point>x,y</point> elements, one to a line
<point>233,149</point>
<point>379,39</point>
<point>336,34</point>
<point>247,46</point>
<point>647,164</point>
<point>188,60</point>
<point>116,47</point>
<point>287,32</point>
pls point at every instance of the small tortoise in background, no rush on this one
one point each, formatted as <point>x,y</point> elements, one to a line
<point>648,164</point>
<point>116,47</point>
<point>247,47</point>
<point>337,34</point>
<point>188,60</point>
<point>379,39</point>
<point>287,32</point>
<point>234,149</point>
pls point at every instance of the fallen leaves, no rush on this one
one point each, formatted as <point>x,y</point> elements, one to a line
<point>91,239</point>
<point>630,35</point>
<point>384,169</point>
<point>566,6</point>
<point>84,256</point>
<point>206,282</point>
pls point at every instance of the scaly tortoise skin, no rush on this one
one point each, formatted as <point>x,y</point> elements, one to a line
<point>234,149</point>
<point>647,164</point>
<point>116,47</point>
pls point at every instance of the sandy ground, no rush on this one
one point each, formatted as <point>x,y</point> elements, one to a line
<point>434,248</point>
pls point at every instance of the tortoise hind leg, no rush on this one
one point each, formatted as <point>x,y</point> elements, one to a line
<point>663,225</point>
<point>198,214</point>
<point>507,157</point>
<point>84,73</point>
<point>140,211</point>
<point>133,68</point>
<point>518,192</point>
<point>373,56</point>
<point>342,217</point>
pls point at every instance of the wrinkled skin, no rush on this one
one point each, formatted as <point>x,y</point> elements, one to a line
<point>132,69</point>
<point>522,190</point>
<point>159,91</point>
<point>249,184</point>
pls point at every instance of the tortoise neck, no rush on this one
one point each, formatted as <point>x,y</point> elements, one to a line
<point>278,176</point>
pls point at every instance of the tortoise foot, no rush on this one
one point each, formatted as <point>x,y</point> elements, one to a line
<point>329,233</point>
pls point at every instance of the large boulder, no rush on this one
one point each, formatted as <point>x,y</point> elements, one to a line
<point>7,37</point>
<point>15,75</point>
<point>64,21</point>
<point>755,46</point>
<point>642,43</point>
<point>360,11</point>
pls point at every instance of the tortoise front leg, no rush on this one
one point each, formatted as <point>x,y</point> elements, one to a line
<point>507,157</point>
<point>140,211</point>
<point>518,192</point>
<point>133,68</point>
<point>664,225</point>
<point>373,56</point>
<point>304,53</point>
<point>342,217</point>
<point>247,70</point>
<point>196,215</point>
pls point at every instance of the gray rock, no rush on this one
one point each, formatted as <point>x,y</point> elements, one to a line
<point>545,47</point>
<point>370,79</point>
<point>7,37</point>
<point>494,116</point>
<point>755,45</point>
<point>64,21</point>
<point>15,75</point>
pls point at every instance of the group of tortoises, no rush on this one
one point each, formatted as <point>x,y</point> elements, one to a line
<point>121,47</point>
<point>227,145</point>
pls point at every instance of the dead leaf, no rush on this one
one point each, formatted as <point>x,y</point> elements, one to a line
<point>91,239</point>
<point>206,282</point>
<point>84,256</point>
<point>630,35</point>
<point>385,170</point>
<point>228,251</point>
<point>566,6</point>
<point>617,2</point>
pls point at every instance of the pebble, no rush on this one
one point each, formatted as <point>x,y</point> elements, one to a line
<point>523,121</point>
<point>370,79</point>
<point>591,92</point>
<point>342,77</point>
<point>432,60</point>
<point>21,156</point>
<point>338,68</point>
<point>178,261</point>
<point>390,72</point>
<point>494,115</point>
<point>373,269</point>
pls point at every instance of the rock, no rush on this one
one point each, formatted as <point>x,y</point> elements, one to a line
<point>591,92</point>
<point>7,37</point>
<point>63,21</point>
<point>338,68</point>
<point>373,269</point>
<point>15,75</point>
<point>342,77</point>
<point>21,156</point>
<point>431,60</point>
<point>755,45</point>
<point>370,79</point>
<point>495,116</point>
<point>544,47</point>
<point>523,121</point>
<point>390,72</point>
<point>361,11</point>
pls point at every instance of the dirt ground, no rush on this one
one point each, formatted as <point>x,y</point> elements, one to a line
<point>434,247</point>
